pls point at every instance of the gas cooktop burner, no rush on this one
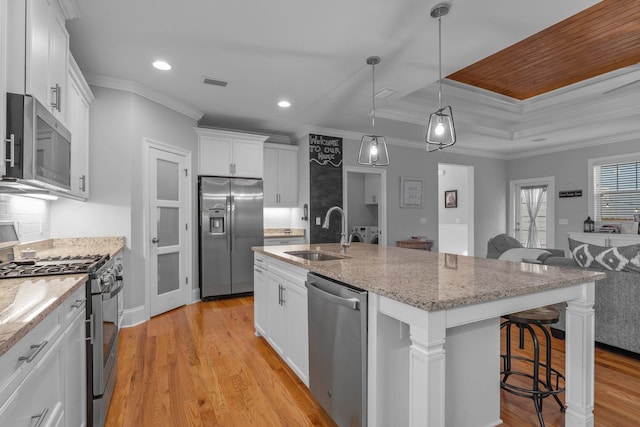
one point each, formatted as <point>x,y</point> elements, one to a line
<point>52,266</point>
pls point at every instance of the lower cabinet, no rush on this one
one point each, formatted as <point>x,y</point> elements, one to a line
<point>45,372</point>
<point>280,299</point>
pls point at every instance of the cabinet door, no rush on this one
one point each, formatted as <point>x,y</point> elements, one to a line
<point>77,108</point>
<point>371,189</point>
<point>277,315</point>
<point>37,60</point>
<point>288,178</point>
<point>297,331</point>
<point>40,396</point>
<point>58,60</point>
<point>247,159</point>
<point>270,181</point>
<point>75,376</point>
<point>260,300</point>
<point>214,156</point>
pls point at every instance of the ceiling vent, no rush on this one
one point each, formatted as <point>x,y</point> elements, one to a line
<point>214,82</point>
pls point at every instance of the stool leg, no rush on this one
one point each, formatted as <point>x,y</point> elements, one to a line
<point>548,364</point>
<point>506,360</point>
<point>537,399</point>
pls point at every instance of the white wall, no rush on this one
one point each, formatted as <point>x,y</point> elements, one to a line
<point>119,123</point>
<point>570,170</point>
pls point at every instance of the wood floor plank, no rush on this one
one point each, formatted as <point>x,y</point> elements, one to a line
<point>202,365</point>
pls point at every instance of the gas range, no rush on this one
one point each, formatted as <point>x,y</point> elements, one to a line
<point>89,264</point>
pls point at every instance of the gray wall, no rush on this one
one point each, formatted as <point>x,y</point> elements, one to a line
<point>119,123</point>
<point>570,169</point>
<point>491,188</point>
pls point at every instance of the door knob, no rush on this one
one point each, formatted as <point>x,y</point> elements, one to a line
<point>155,240</point>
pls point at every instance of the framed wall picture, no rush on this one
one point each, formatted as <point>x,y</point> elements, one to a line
<point>410,192</point>
<point>451,199</point>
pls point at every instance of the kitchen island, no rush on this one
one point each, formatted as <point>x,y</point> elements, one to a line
<point>433,329</point>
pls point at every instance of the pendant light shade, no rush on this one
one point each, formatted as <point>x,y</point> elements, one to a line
<point>373,148</point>
<point>441,132</point>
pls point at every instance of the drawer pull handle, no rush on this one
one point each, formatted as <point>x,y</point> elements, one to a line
<point>79,303</point>
<point>36,348</point>
<point>40,417</point>
<point>89,323</point>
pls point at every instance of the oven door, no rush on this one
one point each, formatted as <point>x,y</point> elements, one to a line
<point>105,306</point>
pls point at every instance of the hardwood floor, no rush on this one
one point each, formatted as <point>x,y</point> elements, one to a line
<point>202,365</point>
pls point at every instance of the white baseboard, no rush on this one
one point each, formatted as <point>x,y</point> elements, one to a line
<point>195,295</point>
<point>133,316</point>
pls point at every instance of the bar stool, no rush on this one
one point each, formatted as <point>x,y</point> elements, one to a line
<point>541,385</point>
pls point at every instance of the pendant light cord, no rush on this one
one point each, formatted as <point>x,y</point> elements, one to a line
<point>439,61</point>
<point>373,98</point>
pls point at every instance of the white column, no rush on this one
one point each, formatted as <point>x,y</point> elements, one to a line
<point>427,372</point>
<point>579,364</point>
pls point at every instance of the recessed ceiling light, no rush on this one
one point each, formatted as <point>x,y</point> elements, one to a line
<point>162,65</point>
<point>284,104</point>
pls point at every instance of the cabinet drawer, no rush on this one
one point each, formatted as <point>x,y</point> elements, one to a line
<point>74,304</point>
<point>15,364</point>
<point>40,397</point>
<point>273,241</point>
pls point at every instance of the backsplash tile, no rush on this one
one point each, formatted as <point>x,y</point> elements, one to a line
<point>30,215</point>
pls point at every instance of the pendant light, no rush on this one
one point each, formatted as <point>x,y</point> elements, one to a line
<point>440,132</point>
<point>373,148</point>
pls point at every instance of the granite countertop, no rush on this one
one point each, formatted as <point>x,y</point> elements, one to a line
<point>279,233</point>
<point>429,280</point>
<point>73,247</point>
<point>26,302</point>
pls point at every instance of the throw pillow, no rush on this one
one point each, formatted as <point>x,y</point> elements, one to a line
<point>614,258</point>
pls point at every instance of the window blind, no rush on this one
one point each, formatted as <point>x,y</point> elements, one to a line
<point>616,191</point>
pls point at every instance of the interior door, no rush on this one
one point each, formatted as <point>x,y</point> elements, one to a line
<point>168,184</point>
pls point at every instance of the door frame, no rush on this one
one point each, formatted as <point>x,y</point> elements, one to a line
<point>187,205</point>
<point>382,203</point>
<point>550,181</point>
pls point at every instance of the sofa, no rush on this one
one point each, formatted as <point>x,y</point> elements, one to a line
<point>617,297</point>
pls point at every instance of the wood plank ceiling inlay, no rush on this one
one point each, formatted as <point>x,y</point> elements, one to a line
<point>600,39</point>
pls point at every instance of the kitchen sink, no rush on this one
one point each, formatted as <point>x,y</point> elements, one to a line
<point>315,255</point>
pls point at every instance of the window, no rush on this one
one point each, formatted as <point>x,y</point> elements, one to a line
<point>615,188</point>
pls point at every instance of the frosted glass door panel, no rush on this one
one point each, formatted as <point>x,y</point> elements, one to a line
<point>168,182</point>
<point>168,226</point>
<point>168,273</point>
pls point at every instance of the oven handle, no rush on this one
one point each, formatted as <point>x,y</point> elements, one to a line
<point>112,293</point>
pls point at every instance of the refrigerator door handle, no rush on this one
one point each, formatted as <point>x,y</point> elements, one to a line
<point>228,209</point>
<point>232,217</point>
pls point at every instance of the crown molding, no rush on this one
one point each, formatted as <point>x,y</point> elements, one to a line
<point>613,139</point>
<point>143,91</point>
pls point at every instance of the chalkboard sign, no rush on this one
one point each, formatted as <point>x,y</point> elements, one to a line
<point>325,186</point>
<point>325,150</point>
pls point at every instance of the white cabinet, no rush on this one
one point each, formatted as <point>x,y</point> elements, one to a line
<point>606,239</point>
<point>227,153</point>
<point>3,82</point>
<point>75,359</point>
<point>371,189</point>
<point>39,48</point>
<point>273,241</point>
<point>283,296</point>
<point>280,175</point>
<point>260,295</point>
<point>43,376</point>
<point>79,98</point>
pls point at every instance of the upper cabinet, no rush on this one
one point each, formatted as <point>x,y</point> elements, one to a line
<point>38,51</point>
<point>280,175</point>
<point>79,98</point>
<point>228,153</point>
<point>371,188</point>
<point>3,82</point>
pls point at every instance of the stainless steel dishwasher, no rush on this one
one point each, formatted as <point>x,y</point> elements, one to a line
<point>338,349</point>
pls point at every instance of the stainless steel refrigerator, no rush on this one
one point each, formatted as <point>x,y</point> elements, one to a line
<point>230,224</point>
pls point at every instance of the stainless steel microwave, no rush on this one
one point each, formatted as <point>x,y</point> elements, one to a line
<point>38,146</point>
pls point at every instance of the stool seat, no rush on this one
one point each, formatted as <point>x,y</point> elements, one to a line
<point>543,315</point>
<point>543,384</point>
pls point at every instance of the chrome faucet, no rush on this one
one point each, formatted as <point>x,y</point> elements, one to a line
<point>344,242</point>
